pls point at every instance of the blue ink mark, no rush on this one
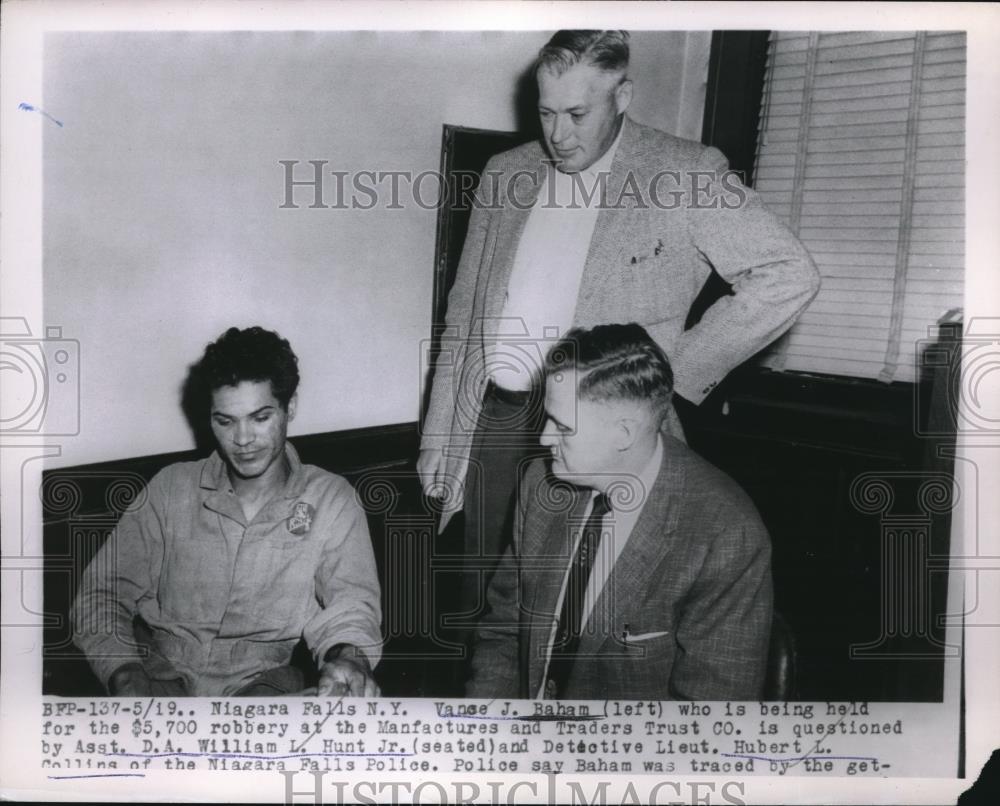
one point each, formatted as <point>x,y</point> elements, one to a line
<point>797,759</point>
<point>263,757</point>
<point>815,748</point>
<point>29,108</point>
<point>525,717</point>
<point>99,775</point>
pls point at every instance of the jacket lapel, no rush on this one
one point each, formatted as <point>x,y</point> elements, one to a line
<point>524,190</point>
<point>546,559</point>
<point>611,234</point>
<point>652,538</point>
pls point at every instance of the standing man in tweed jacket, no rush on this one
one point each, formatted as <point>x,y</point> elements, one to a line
<point>605,221</point>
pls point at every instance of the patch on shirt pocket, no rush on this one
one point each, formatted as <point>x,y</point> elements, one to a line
<point>300,521</point>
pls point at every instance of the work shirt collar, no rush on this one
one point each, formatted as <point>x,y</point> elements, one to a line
<point>215,481</point>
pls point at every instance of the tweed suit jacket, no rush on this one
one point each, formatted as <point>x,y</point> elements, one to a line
<point>651,251</point>
<point>692,587</point>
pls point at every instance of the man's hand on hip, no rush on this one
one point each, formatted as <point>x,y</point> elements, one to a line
<point>346,672</point>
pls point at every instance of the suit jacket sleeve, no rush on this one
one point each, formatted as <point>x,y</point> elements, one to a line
<point>771,274</point>
<point>495,667</point>
<point>725,622</point>
<point>475,260</point>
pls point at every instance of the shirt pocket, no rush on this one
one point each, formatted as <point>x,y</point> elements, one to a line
<point>194,580</point>
<point>284,580</point>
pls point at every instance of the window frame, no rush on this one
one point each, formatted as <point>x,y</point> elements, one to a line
<point>733,97</point>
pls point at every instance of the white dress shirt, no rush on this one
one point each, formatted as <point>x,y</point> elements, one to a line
<point>548,266</point>
<point>617,526</point>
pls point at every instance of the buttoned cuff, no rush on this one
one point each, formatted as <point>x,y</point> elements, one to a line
<point>357,639</point>
<point>105,666</point>
<point>695,393</point>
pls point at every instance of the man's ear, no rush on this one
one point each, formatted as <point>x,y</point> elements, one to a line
<point>623,95</point>
<point>292,405</point>
<point>626,432</point>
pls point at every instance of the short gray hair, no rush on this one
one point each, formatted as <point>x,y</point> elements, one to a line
<point>605,50</point>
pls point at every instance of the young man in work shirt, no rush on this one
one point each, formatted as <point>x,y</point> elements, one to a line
<point>229,561</point>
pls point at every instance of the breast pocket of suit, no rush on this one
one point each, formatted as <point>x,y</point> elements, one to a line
<point>641,662</point>
<point>650,291</point>
<point>648,644</point>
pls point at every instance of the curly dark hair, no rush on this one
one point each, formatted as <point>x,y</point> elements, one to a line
<point>253,354</point>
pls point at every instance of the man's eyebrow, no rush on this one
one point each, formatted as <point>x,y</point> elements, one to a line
<point>573,109</point>
<point>261,410</point>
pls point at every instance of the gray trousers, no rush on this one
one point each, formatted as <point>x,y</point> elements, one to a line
<point>506,440</point>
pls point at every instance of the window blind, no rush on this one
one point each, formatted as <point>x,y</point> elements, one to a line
<point>861,150</point>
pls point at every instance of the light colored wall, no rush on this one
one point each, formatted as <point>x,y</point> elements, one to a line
<point>670,71</point>
<point>162,224</point>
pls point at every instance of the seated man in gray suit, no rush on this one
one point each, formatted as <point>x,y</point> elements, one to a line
<point>638,570</point>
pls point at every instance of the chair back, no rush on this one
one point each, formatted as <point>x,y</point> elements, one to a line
<point>779,681</point>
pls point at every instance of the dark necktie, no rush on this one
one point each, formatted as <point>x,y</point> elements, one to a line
<point>568,633</point>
